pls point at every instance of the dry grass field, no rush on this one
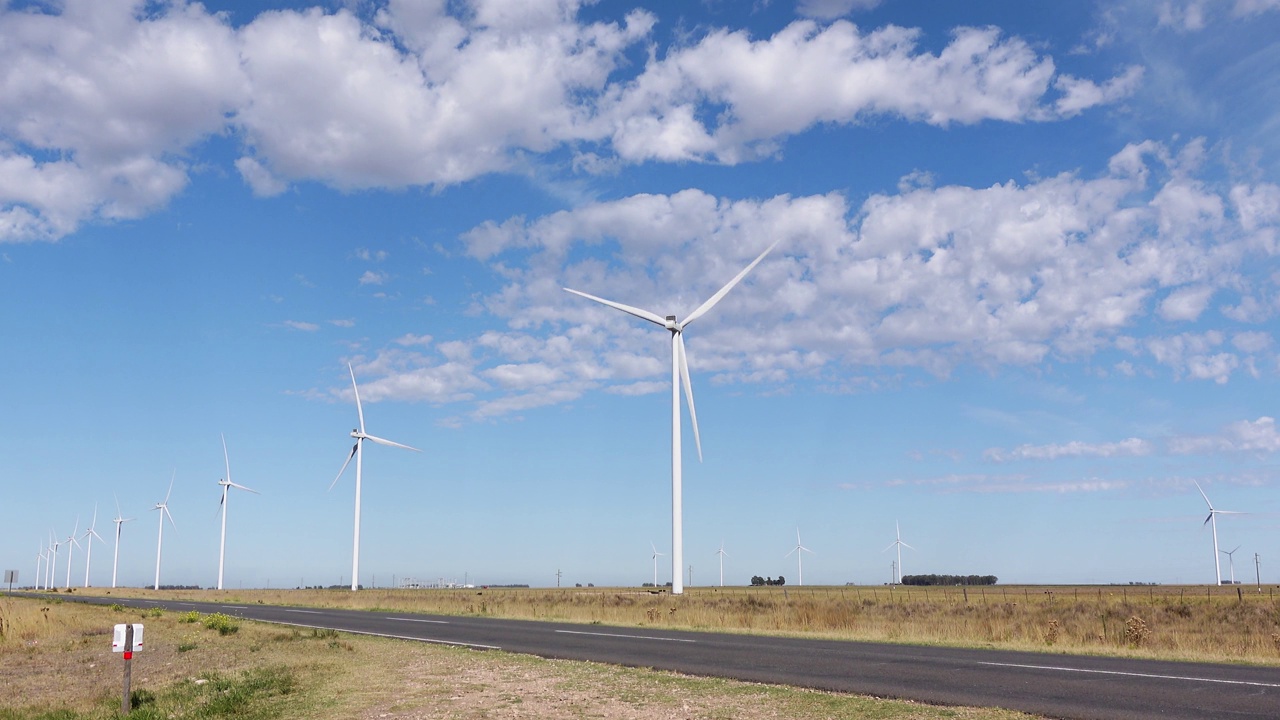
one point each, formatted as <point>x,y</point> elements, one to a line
<point>56,664</point>
<point>1222,624</point>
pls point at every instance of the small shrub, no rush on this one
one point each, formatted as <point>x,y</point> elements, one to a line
<point>154,612</point>
<point>1136,632</point>
<point>183,647</point>
<point>1051,633</point>
<point>224,624</point>
<point>189,617</point>
<point>116,607</point>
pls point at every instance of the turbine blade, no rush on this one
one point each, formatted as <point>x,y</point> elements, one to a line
<point>688,392</point>
<point>170,490</point>
<point>345,464</point>
<point>356,389</point>
<point>711,301</point>
<point>170,516</point>
<point>895,542</point>
<point>1206,497</point>
<point>907,546</point>
<point>238,485</point>
<point>381,441</point>
<point>1206,520</point>
<point>226,457</point>
<point>95,534</point>
<point>642,314</point>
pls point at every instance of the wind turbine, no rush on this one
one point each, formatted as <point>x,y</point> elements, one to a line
<point>722,555</point>
<point>163,507</point>
<point>119,520</point>
<point>1212,521</point>
<point>1231,562</point>
<point>799,550</point>
<point>72,543</point>
<point>40,560</point>
<point>88,536</point>
<point>679,372</point>
<point>655,564</point>
<point>900,544</point>
<point>226,485</point>
<point>52,569</point>
<point>358,453</point>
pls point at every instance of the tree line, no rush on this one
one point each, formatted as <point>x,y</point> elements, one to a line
<point>949,579</point>
<point>757,580</point>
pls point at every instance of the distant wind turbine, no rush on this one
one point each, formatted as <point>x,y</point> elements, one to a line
<point>656,555</point>
<point>722,555</point>
<point>40,560</point>
<point>1231,562</point>
<point>226,486</point>
<point>799,550</point>
<point>163,507</point>
<point>898,542</point>
<point>679,373</point>
<point>88,536</point>
<point>357,452</point>
<point>119,520</point>
<point>1212,521</point>
<point>72,543</point>
<point>52,569</point>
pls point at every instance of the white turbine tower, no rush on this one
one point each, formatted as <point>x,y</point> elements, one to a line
<point>41,557</point>
<point>357,452</point>
<point>1231,562</point>
<point>72,543</point>
<point>163,507</point>
<point>799,550</point>
<point>1212,520</point>
<point>88,536</point>
<point>118,520</point>
<point>226,486</point>
<point>51,571</point>
<point>656,555</point>
<point>679,373</point>
<point>722,555</point>
<point>898,542</point>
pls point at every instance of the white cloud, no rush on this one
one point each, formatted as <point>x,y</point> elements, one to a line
<point>1245,8</point>
<point>1185,303</point>
<point>1074,449</point>
<point>980,483</point>
<point>301,325</point>
<point>260,180</point>
<point>831,9</point>
<point>372,277</point>
<point>1244,436</point>
<point>1079,94</point>
<point>343,323</point>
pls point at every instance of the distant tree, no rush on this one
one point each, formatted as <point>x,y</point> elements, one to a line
<point>780,581</point>
<point>756,580</point>
<point>949,579</point>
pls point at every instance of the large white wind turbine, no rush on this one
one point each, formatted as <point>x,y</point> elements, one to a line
<point>118,520</point>
<point>163,507</point>
<point>40,560</point>
<point>52,569</point>
<point>799,550</point>
<point>656,555</point>
<point>226,486</point>
<point>1231,561</point>
<point>88,536</point>
<point>679,373</point>
<point>1212,521</point>
<point>357,452</point>
<point>722,555</point>
<point>898,542</point>
<point>72,543</point>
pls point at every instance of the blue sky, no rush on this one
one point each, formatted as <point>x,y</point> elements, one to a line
<point>1025,292</point>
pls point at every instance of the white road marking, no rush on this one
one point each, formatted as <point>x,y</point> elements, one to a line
<point>387,635</point>
<point>631,637</point>
<point>1134,674</point>
<point>437,622</point>
<point>308,612</point>
<point>236,607</point>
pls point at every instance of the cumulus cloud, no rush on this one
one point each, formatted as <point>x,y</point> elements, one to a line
<point>983,483</point>
<point>301,325</point>
<point>100,100</point>
<point>1257,436</point>
<point>831,9</point>
<point>1074,449</point>
<point>373,277</point>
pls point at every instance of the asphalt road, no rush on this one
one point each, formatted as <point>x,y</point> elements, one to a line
<point>1059,686</point>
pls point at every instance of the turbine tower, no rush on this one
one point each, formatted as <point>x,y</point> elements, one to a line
<point>118,521</point>
<point>52,569</point>
<point>1212,521</point>
<point>679,372</point>
<point>656,554</point>
<point>898,542</point>
<point>226,486</point>
<point>358,453</point>
<point>40,560</point>
<point>163,507</point>
<point>88,536</point>
<point>72,543</point>
<point>1231,562</point>
<point>722,555</point>
<point>799,550</point>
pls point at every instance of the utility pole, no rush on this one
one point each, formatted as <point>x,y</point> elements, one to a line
<point>691,575</point>
<point>558,573</point>
<point>1257,569</point>
<point>893,573</point>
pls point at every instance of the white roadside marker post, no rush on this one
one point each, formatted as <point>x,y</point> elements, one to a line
<point>127,639</point>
